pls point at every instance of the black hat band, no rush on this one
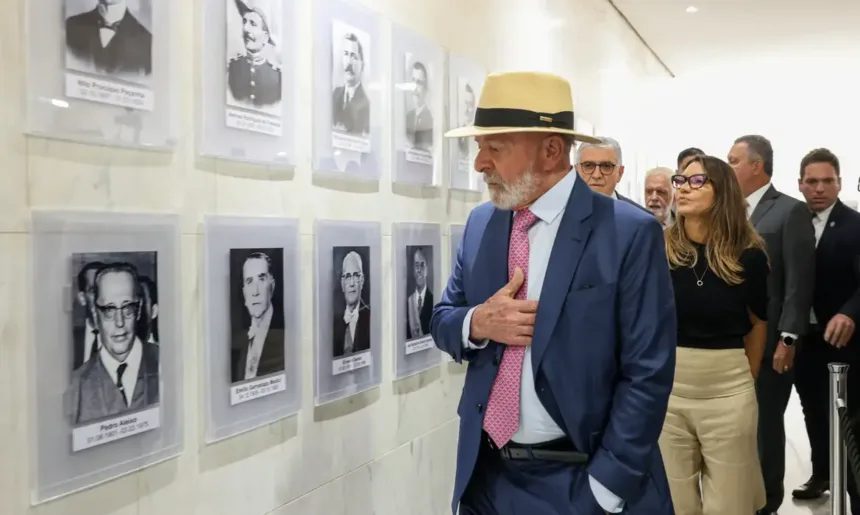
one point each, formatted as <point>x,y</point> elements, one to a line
<point>504,117</point>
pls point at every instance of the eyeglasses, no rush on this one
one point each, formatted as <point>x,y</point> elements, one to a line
<point>695,181</point>
<point>606,167</point>
<point>128,311</point>
<point>356,276</point>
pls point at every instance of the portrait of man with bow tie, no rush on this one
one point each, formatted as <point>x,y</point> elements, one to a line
<point>351,324</point>
<point>110,37</point>
<point>257,314</point>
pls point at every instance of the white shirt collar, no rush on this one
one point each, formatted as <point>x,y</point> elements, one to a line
<point>422,292</point>
<point>553,202</point>
<point>824,214</point>
<point>129,377</point>
<point>755,197</point>
<point>615,195</point>
<point>260,326</point>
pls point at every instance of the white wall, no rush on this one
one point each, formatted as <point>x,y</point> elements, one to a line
<point>800,95</point>
<point>305,465</point>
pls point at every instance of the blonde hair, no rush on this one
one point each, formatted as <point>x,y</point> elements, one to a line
<point>729,231</point>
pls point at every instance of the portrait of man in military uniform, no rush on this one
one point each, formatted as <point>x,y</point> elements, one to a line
<point>108,37</point>
<point>254,69</point>
<point>419,118</point>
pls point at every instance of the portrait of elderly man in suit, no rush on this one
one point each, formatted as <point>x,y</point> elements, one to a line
<point>258,336</point>
<point>351,319</point>
<point>350,105</point>
<point>419,302</point>
<point>254,75</point>
<point>419,119</point>
<point>124,374</point>
<point>109,39</point>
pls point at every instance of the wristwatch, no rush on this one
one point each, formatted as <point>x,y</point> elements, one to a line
<point>788,341</point>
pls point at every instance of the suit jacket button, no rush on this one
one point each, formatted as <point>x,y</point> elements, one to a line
<point>480,407</point>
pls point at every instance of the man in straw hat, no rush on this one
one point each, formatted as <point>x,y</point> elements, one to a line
<point>565,397</point>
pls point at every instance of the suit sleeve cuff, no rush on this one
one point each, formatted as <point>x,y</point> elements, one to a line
<point>467,329</point>
<point>606,499</point>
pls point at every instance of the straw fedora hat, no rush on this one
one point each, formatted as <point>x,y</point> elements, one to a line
<point>523,102</point>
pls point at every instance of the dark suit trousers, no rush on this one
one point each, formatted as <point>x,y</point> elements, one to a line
<point>773,391</point>
<point>813,387</point>
<point>534,487</point>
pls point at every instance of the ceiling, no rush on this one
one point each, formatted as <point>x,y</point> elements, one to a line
<point>722,31</point>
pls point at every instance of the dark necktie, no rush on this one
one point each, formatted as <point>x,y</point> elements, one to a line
<point>120,370</point>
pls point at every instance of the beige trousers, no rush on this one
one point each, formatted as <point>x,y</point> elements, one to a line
<point>710,434</point>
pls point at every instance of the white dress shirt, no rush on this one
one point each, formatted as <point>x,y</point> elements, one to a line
<point>819,222</point>
<point>753,200</point>
<point>536,425</point>
<point>111,14</point>
<point>257,336</point>
<point>350,317</point>
<point>132,361</point>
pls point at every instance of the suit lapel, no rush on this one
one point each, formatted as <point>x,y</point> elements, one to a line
<point>831,226</point>
<point>566,253</point>
<point>492,258</point>
<point>764,205</point>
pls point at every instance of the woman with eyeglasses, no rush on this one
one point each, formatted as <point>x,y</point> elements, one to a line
<point>719,271</point>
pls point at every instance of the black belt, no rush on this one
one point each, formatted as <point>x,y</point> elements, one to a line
<point>557,450</point>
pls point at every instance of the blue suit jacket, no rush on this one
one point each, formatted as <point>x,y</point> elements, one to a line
<point>603,350</point>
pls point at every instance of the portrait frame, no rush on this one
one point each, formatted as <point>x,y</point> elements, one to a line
<point>414,163</point>
<point>455,236</point>
<point>232,127</point>
<point>462,151</point>
<point>57,236</point>
<point>347,152</point>
<point>71,97</point>
<point>415,355</point>
<point>231,407</point>
<point>329,385</point>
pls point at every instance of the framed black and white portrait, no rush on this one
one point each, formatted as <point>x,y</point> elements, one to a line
<point>349,309</point>
<point>252,308</point>
<point>115,345</point>
<point>248,95</point>
<point>465,80</point>
<point>454,239</point>
<point>417,285</point>
<point>418,91</point>
<point>347,101</point>
<point>106,76</point>
<point>256,315</point>
<point>107,349</point>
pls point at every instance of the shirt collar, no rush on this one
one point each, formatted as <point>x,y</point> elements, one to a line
<point>755,197</point>
<point>553,202</point>
<point>824,214</point>
<point>133,360</point>
<point>261,327</point>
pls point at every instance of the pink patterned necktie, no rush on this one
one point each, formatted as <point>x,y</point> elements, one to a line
<point>503,408</point>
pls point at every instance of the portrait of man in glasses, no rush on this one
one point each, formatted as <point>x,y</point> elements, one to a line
<point>351,310</point>
<point>122,375</point>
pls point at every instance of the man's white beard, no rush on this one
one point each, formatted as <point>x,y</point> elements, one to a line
<point>512,194</point>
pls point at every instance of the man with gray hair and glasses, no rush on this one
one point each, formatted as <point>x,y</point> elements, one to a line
<point>659,194</point>
<point>600,165</point>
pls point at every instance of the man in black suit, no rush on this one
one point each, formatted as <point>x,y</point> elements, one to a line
<point>349,102</point>
<point>419,120</point>
<point>254,76</point>
<point>835,312</point>
<point>258,349</point>
<point>123,375</point>
<point>784,224</point>
<point>110,39</point>
<point>600,165</point>
<point>352,326</point>
<point>419,303</point>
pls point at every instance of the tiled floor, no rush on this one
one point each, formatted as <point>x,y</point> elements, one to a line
<point>797,463</point>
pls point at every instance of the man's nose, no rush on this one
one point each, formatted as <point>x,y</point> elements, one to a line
<point>119,320</point>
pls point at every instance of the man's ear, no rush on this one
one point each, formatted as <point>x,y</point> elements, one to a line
<point>553,149</point>
<point>620,172</point>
